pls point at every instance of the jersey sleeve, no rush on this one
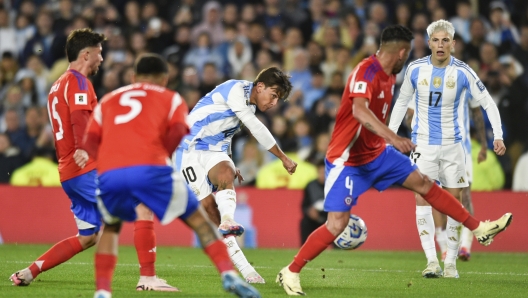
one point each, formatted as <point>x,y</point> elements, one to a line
<point>475,86</point>
<point>359,86</point>
<point>77,92</point>
<point>237,103</point>
<point>472,102</point>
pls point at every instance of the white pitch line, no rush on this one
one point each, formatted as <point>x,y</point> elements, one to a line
<point>269,267</point>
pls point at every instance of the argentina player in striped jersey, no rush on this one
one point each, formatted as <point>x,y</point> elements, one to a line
<point>204,155</point>
<point>438,85</point>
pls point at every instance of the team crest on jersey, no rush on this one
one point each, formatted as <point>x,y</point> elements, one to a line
<point>81,98</point>
<point>437,82</point>
<point>348,201</point>
<point>450,83</point>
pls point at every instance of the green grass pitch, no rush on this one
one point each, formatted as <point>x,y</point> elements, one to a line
<point>333,274</point>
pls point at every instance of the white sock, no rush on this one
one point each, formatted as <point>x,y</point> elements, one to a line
<point>237,256</point>
<point>226,201</point>
<point>426,230</point>
<point>453,240</point>
<point>467,238</point>
<point>441,239</point>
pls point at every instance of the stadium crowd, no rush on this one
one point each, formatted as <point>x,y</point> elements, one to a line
<point>318,42</point>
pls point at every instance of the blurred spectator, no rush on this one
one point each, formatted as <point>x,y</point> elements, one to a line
<point>238,54</point>
<point>312,204</point>
<point>248,72</point>
<point>315,52</point>
<point>40,76</point>
<point>40,171</point>
<point>25,79</point>
<point>12,124</point>
<point>461,21</point>
<point>8,70</point>
<point>302,133</point>
<point>283,134</point>
<point>277,42</point>
<point>181,45</point>
<point>263,59</point>
<point>403,15</point>
<point>138,43</point>
<point>26,140</point>
<point>7,33</point>
<point>319,148</point>
<point>230,15</point>
<point>43,43</point>
<point>378,14</point>
<point>250,163</point>
<point>210,79</point>
<point>24,30</point>
<point>274,16</point>
<point>132,19</point>
<point>211,24</point>
<point>520,180</point>
<point>502,33</point>
<point>256,36</point>
<point>315,91</point>
<point>64,15</point>
<point>521,51</point>
<point>300,73</point>
<point>477,39</point>
<point>202,53</point>
<point>191,96</point>
<point>292,43</point>
<point>10,158</point>
<point>111,81</point>
<point>272,175</point>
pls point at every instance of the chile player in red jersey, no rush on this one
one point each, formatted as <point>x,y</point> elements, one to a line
<point>71,101</point>
<point>132,133</point>
<point>358,157</point>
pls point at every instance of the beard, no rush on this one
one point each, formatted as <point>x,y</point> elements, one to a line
<point>94,71</point>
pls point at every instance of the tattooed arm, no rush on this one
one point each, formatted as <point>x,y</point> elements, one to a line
<point>366,117</point>
<point>478,119</point>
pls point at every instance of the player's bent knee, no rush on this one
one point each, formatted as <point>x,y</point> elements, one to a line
<point>88,241</point>
<point>337,225</point>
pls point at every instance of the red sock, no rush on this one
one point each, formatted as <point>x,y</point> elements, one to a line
<point>316,243</point>
<point>444,202</point>
<point>104,270</point>
<point>217,252</point>
<point>58,254</point>
<point>145,242</point>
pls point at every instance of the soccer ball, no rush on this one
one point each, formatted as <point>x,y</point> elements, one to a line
<point>354,234</point>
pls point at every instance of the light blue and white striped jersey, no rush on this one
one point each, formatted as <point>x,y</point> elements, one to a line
<point>214,121</point>
<point>439,98</point>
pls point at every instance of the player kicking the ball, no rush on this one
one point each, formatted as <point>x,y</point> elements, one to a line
<point>203,156</point>
<point>70,103</point>
<point>132,133</point>
<point>359,158</point>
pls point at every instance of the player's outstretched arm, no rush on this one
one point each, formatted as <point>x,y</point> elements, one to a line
<point>364,115</point>
<point>287,163</point>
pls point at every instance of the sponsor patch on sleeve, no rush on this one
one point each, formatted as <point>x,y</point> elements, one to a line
<point>481,86</point>
<point>81,99</point>
<point>360,87</point>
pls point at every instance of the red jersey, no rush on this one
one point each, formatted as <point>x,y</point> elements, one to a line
<point>131,124</point>
<point>351,144</point>
<point>71,92</point>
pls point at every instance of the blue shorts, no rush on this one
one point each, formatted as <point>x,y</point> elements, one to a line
<point>344,184</point>
<point>81,191</point>
<point>158,187</point>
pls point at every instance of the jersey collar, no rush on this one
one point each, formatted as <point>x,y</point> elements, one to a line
<point>450,62</point>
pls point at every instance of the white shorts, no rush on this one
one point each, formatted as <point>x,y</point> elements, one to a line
<point>194,165</point>
<point>444,163</point>
<point>469,167</point>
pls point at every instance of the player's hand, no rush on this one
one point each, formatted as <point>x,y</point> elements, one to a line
<point>289,165</point>
<point>499,147</point>
<point>483,154</point>
<point>238,176</point>
<point>81,158</point>
<point>403,145</point>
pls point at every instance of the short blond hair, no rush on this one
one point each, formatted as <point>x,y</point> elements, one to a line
<point>441,25</point>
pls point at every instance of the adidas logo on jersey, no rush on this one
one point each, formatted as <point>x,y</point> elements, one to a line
<point>461,180</point>
<point>382,95</point>
<point>424,232</point>
<point>423,83</point>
